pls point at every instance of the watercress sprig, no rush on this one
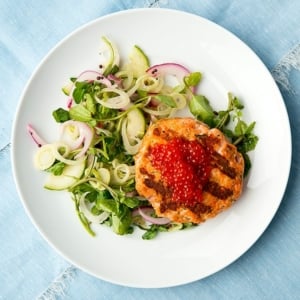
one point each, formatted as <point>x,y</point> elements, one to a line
<point>229,121</point>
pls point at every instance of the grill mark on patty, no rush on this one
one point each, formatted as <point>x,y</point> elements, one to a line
<point>201,208</point>
<point>197,207</point>
<point>168,205</point>
<point>218,191</point>
<point>222,164</point>
<point>143,171</point>
<point>218,161</point>
<point>159,187</point>
<point>207,141</point>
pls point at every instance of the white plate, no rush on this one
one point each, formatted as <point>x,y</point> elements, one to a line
<point>227,65</point>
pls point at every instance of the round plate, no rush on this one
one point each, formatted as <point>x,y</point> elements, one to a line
<point>227,65</point>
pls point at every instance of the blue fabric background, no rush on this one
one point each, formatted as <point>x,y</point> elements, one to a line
<point>30,269</point>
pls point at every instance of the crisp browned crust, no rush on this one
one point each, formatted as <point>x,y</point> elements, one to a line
<point>225,181</point>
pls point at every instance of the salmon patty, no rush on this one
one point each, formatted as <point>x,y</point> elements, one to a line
<point>187,171</point>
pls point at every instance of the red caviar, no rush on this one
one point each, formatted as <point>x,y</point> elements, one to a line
<point>185,168</point>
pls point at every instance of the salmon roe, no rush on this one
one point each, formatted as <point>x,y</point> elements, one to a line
<point>185,168</point>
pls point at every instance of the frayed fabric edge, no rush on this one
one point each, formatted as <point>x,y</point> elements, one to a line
<point>282,70</point>
<point>58,287</point>
<point>155,3</point>
<point>5,148</point>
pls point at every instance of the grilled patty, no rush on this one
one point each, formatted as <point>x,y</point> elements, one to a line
<point>202,188</point>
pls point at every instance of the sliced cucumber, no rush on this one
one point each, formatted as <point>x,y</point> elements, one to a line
<point>136,125</point>
<point>114,56</point>
<point>138,62</point>
<point>133,129</point>
<point>70,175</point>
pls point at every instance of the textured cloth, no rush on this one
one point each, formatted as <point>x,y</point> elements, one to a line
<point>31,269</point>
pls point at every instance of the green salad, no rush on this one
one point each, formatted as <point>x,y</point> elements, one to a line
<point>103,121</point>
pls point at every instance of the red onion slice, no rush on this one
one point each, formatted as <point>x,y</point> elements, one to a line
<point>115,79</point>
<point>173,69</point>
<point>98,219</point>
<point>88,134</point>
<point>144,212</point>
<point>91,75</point>
<point>73,143</point>
<point>85,136</point>
<point>70,103</point>
<point>168,68</point>
<point>35,136</point>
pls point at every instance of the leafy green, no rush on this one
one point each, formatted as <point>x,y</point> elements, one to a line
<point>80,113</point>
<point>109,205</point>
<point>61,115</point>
<point>90,103</point>
<point>242,135</point>
<point>151,233</point>
<point>168,100</point>
<point>121,221</point>
<point>81,87</point>
<point>57,168</point>
<point>130,202</point>
<point>199,106</point>
<point>84,221</point>
<point>192,79</point>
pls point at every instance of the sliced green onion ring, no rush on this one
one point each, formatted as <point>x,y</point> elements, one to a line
<point>57,147</point>
<point>127,79</point>
<point>180,100</point>
<point>44,157</point>
<point>150,84</point>
<point>121,174</point>
<point>116,102</point>
<point>87,213</point>
<point>130,149</point>
<point>161,110</point>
